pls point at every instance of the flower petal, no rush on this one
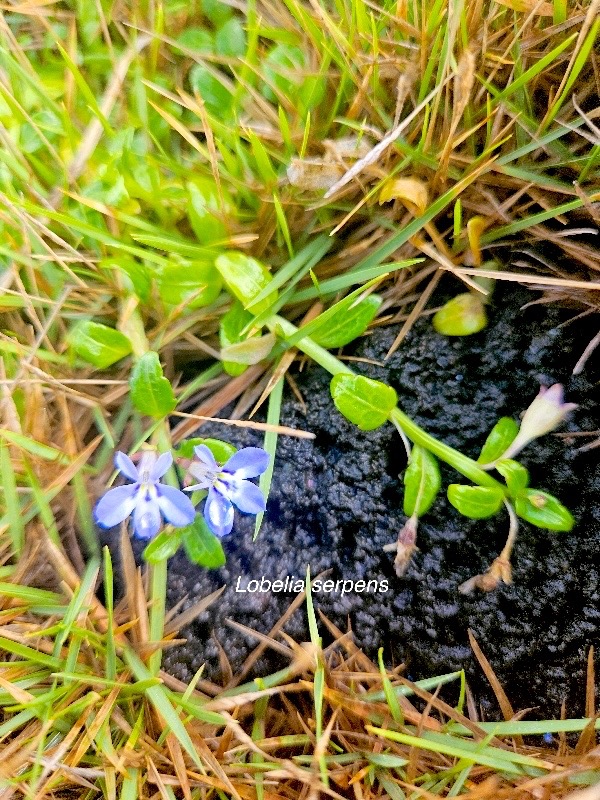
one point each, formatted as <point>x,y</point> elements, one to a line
<point>196,487</point>
<point>116,505</point>
<point>205,455</point>
<point>175,506</point>
<point>218,513</point>
<point>247,462</point>
<point>146,517</point>
<point>126,466</point>
<point>162,465</point>
<point>247,497</point>
<point>203,474</point>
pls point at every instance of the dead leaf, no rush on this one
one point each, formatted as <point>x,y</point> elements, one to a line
<point>412,191</point>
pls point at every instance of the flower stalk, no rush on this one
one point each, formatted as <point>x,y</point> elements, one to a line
<point>501,570</point>
<point>131,323</point>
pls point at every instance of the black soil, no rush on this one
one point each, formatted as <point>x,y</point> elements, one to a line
<point>337,500</point>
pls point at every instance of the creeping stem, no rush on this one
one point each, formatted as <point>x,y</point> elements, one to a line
<point>461,463</point>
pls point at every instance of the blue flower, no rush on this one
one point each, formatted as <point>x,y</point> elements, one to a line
<point>228,485</point>
<point>146,497</point>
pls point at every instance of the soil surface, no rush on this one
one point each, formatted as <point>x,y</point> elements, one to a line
<point>337,500</point>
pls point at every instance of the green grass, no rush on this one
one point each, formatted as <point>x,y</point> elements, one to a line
<point>138,144</point>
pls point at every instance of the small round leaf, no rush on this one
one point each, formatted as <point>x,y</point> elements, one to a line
<point>202,547</point>
<point>422,482</point>
<point>515,475</point>
<point>461,316</point>
<point>543,510</point>
<point>222,451</point>
<point>363,401</point>
<point>163,546</point>
<point>151,393</point>
<point>475,502</point>
<point>98,344</point>
<point>499,440</point>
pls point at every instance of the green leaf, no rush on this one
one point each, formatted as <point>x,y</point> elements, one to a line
<point>422,482</point>
<point>343,306</point>
<point>245,278</point>
<point>264,167</point>
<point>501,437</point>
<point>363,401</point>
<point>475,502</point>
<point>270,446</point>
<point>283,68</point>
<point>197,39</point>
<point>98,344</point>
<point>218,98</point>
<point>190,283</point>
<point>134,274</point>
<point>543,510</point>
<point>37,449</point>
<point>163,546</point>
<point>208,211</point>
<point>461,316</point>
<point>231,39</point>
<point>201,545</point>
<point>232,324</point>
<point>346,326</point>
<point>151,392</point>
<point>515,475</point>
<point>14,512</point>
<point>11,301</point>
<point>216,11</point>
<point>312,91</point>
<point>222,451</point>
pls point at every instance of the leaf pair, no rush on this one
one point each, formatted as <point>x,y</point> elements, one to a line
<point>202,547</point>
<point>539,508</point>
<point>533,505</point>
<point>368,403</point>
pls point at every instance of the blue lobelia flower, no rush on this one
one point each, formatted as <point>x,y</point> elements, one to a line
<point>146,497</point>
<point>228,485</point>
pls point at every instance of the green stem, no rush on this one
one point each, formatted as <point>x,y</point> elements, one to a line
<point>158,570</point>
<point>158,597</point>
<point>323,357</point>
<point>461,463</point>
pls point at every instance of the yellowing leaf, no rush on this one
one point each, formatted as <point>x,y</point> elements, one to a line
<point>475,227</point>
<point>527,6</point>
<point>250,351</point>
<point>461,316</point>
<point>411,191</point>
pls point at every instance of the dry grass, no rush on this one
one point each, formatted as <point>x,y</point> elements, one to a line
<point>82,717</point>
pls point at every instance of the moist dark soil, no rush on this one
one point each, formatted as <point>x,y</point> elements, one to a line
<point>337,500</point>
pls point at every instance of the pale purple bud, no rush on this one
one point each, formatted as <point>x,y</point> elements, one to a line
<point>545,414</point>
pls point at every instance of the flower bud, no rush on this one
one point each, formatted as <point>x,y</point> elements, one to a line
<point>544,414</point>
<point>406,546</point>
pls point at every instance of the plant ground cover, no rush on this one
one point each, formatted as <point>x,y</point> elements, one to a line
<point>162,174</point>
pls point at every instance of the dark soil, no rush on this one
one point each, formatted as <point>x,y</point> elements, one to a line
<point>337,500</point>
